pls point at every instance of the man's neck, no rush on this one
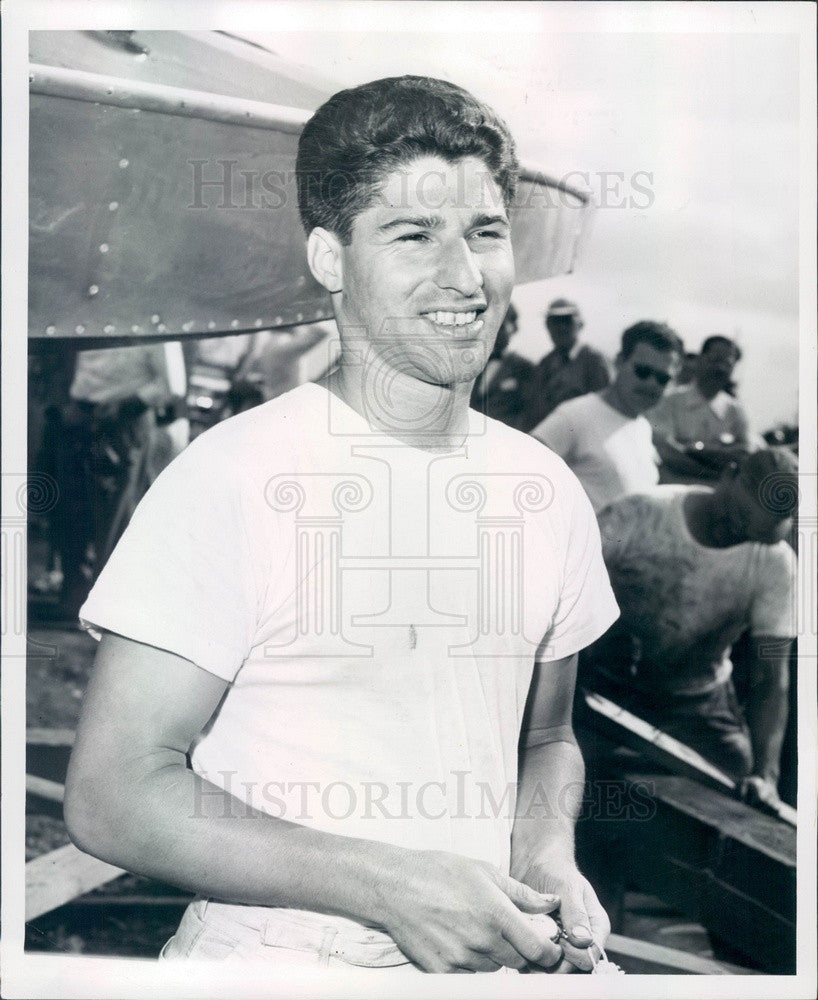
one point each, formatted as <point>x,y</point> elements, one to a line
<point>706,520</point>
<point>707,389</point>
<point>420,414</point>
<point>611,396</point>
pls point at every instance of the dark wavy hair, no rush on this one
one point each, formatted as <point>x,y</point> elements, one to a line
<point>361,134</point>
<point>719,338</point>
<point>647,331</point>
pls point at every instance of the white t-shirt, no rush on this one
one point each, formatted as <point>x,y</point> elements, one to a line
<point>686,602</point>
<point>377,609</point>
<point>611,454</point>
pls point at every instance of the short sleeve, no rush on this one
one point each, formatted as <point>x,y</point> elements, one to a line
<point>661,419</point>
<point>556,433</point>
<point>741,426</point>
<point>184,576</point>
<point>587,607</point>
<point>774,611</point>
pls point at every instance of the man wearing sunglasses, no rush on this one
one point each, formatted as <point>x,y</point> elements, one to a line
<point>603,436</point>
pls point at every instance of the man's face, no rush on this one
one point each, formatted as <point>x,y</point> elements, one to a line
<point>564,331</point>
<point>428,274</point>
<point>717,363</point>
<point>642,377</point>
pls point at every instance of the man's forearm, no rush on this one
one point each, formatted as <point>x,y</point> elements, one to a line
<point>184,830</point>
<point>767,709</point>
<point>549,797</point>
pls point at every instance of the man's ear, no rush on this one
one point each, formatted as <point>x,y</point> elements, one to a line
<point>324,258</point>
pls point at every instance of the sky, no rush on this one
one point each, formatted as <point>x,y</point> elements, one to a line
<point>688,140</point>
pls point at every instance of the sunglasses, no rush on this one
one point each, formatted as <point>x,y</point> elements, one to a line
<point>644,372</point>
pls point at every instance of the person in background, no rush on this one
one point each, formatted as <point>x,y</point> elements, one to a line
<point>693,568</point>
<point>602,435</point>
<point>112,449</point>
<point>500,389</point>
<point>687,369</point>
<point>701,427</point>
<point>571,369</point>
<point>272,362</point>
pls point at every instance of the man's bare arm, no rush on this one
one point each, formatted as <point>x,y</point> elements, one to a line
<point>550,792</point>
<point>766,710</point>
<point>132,800</point>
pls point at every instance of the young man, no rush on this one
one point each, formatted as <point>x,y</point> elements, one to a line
<point>701,427</point>
<point>571,369</point>
<point>336,603</point>
<point>603,436</point>
<point>693,568</point>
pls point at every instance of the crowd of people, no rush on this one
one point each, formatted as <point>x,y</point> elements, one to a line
<point>694,512</point>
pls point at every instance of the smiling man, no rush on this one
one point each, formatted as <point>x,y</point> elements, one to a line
<point>334,606</point>
<point>603,436</point>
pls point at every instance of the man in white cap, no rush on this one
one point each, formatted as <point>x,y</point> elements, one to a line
<point>571,369</point>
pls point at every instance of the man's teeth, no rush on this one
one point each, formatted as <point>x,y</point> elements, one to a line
<point>452,318</point>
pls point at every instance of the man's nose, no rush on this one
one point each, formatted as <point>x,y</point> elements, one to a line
<point>458,269</point>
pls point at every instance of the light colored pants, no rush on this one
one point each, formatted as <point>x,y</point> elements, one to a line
<point>225,932</point>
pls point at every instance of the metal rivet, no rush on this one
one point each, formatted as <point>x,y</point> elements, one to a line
<point>187,327</point>
<point>258,322</point>
<point>136,329</point>
<point>113,206</point>
<point>161,328</point>
<point>234,323</point>
<point>50,329</point>
<point>277,321</point>
<point>79,328</point>
<point>155,318</point>
<point>299,317</point>
<point>211,325</point>
<point>104,248</point>
<point>123,163</point>
<point>301,280</point>
<point>109,328</point>
<point>93,289</point>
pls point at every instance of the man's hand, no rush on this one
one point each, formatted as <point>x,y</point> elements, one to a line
<point>758,791</point>
<point>453,914</point>
<point>580,912</point>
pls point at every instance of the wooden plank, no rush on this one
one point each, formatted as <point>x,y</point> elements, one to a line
<point>731,817</point>
<point>672,958</point>
<point>62,875</point>
<point>744,895</point>
<point>50,737</point>
<point>51,790</point>
<point>667,751</point>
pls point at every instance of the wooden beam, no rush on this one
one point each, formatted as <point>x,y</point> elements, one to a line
<point>62,875</point>
<point>672,958</point>
<point>51,790</point>
<point>50,737</point>
<point>667,751</point>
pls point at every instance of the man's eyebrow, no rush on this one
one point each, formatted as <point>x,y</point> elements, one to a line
<point>435,221</point>
<point>489,220</point>
<point>421,221</point>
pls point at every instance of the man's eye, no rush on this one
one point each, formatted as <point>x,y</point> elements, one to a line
<point>491,234</point>
<point>413,238</point>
